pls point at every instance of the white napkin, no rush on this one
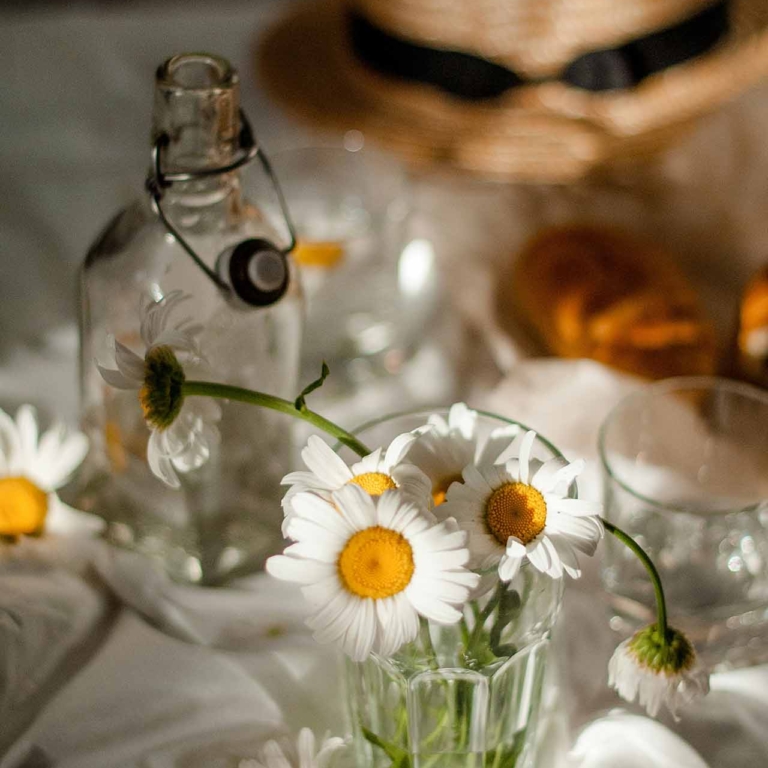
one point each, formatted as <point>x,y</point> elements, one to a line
<point>631,741</point>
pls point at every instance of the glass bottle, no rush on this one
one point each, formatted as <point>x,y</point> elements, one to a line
<point>225,519</point>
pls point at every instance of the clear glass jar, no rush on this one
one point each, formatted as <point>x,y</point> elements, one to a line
<point>226,517</point>
<point>462,696</point>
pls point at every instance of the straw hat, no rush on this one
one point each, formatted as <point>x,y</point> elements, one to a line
<point>544,90</point>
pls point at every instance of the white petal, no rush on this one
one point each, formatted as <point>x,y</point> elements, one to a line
<point>26,423</point>
<point>584,533</point>
<point>118,380</point>
<point>307,480</point>
<point>566,555</point>
<point>543,479</point>
<point>306,748</point>
<point>298,570</point>
<point>361,634</point>
<point>475,480</point>
<point>497,443</point>
<point>129,363</point>
<point>525,456</point>
<point>325,463</point>
<point>59,467</point>
<point>312,507</point>
<point>159,463</point>
<point>442,561</point>
<point>315,540</point>
<point>329,747</point>
<point>356,506</point>
<point>398,449</point>
<point>463,419</point>
<point>65,520</point>
<point>413,482</point>
<point>430,607</point>
<point>573,506</point>
<point>513,558</point>
<point>274,755</point>
<point>10,446</point>
<point>333,622</point>
<point>373,462</point>
<point>543,551</point>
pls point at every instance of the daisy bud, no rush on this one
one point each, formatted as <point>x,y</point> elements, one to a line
<point>658,670</point>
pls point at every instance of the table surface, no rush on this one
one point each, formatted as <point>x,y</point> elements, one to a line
<point>97,673</point>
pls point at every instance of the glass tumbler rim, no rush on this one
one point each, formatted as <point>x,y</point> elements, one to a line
<point>667,386</point>
<point>444,409</point>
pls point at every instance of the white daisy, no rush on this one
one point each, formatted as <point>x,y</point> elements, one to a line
<point>445,447</point>
<point>31,471</point>
<point>273,755</point>
<point>371,566</point>
<point>657,671</point>
<point>183,430</point>
<point>519,510</point>
<point>376,473</point>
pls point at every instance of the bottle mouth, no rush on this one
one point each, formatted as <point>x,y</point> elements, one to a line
<point>197,71</point>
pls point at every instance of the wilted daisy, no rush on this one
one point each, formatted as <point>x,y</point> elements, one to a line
<point>371,565</point>
<point>31,470</point>
<point>183,430</point>
<point>380,471</point>
<point>520,510</point>
<point>274,756</point>
<point>446,446</point>
<point>656,671</point>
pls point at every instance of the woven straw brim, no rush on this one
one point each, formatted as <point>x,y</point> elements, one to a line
<point>549,132</point>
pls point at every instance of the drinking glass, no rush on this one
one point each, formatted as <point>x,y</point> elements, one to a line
<point>685,465</point>
<point>369,290</point>
<point>463,696</point>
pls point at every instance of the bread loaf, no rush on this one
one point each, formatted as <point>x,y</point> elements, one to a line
<point>600,293</point>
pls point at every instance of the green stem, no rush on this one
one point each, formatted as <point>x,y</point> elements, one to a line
<point>227,392</point>
<point>661,604</point>
<point>484,614</point>
<point>429,648</point>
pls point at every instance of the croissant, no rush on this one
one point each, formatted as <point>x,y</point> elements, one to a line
<point>600,293</point>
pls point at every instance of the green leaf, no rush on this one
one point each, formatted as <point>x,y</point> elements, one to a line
<point>398,756</point>
<point>300,402</point>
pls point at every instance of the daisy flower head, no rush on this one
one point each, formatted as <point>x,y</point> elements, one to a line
<point>371,565</point>
<point>380,471</point>
<point>521,511</point>
<point>446,445</point>
<point>32,468</point>
<point>306,753</point>
<point>656,670</point>
<point>183,431</point>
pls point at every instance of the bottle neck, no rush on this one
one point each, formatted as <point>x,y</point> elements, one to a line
<point>196,113</point>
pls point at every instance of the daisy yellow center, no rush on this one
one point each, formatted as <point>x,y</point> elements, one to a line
<point>515,509</point>
<point>374,483</point>
<point>377,563</point>
<point>440,488</point>
<point>23,506</point>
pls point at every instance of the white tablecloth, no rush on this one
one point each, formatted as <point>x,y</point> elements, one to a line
<point>101,667</point>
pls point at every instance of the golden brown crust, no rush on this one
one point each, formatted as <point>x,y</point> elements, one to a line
<point>600,293</point>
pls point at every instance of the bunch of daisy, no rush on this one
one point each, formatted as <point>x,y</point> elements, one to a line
<point>402,536</point>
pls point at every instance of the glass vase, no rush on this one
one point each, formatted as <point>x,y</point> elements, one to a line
<point>467,695</point>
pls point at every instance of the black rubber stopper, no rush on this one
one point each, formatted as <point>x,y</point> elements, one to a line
<point>258,272</point>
